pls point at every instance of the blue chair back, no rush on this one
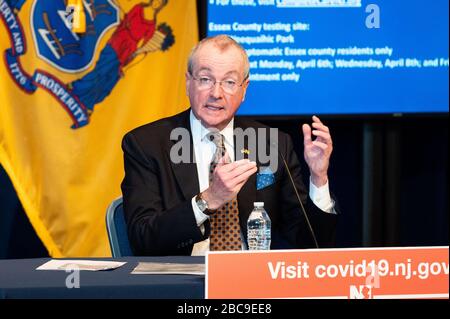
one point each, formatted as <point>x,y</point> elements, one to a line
<point>117,230</point>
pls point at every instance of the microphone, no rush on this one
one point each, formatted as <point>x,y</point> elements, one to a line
<point>311,230</point>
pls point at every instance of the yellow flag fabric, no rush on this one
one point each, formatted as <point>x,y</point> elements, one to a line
<point>67,99</point>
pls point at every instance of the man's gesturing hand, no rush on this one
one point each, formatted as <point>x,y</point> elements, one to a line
<point>227,181</point>
<point>317,152</point>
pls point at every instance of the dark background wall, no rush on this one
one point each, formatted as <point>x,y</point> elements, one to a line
<point>389,174</point>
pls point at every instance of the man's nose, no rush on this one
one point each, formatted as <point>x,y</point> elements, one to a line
<point>216,90</point>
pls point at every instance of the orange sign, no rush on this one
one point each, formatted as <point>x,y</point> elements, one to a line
<point>360,273</point>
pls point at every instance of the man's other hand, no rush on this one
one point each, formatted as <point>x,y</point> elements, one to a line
<point>227,181</point>
<point>317,152</point>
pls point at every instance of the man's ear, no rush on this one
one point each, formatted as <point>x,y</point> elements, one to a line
<point>245,89</point>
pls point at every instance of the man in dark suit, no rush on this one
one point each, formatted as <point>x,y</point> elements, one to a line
<point>203,203</point>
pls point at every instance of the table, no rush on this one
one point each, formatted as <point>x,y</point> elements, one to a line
<point>20,279</point>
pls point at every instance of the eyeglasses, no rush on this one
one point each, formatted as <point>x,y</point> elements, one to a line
<point>228,86</point>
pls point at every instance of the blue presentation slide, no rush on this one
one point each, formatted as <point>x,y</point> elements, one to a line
<point>340,56</point>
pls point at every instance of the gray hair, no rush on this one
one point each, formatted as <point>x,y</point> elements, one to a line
<point>223,42</point>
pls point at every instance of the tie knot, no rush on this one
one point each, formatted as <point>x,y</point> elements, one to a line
<point>217,139</point>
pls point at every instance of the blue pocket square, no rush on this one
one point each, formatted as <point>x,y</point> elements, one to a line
<point>264,178</point>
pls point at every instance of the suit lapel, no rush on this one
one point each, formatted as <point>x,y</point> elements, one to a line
<point>186,173</point>
<point>247,194</point>
<point>187,176</point>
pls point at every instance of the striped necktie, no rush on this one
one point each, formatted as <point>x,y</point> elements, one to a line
<point>225,229</point>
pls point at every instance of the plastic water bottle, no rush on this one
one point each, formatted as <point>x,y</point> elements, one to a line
<point>258,228</point>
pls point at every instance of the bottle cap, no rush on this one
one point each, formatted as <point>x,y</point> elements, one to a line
<point>258,204</point>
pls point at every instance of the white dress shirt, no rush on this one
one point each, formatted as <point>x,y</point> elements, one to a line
<point>204,150</point>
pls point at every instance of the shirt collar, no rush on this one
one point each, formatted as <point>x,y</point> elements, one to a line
<point>199,130</point>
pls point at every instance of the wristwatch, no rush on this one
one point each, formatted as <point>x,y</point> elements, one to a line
<point>203,205</point>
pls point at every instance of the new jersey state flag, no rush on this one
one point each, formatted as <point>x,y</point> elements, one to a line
<point>76,76</point>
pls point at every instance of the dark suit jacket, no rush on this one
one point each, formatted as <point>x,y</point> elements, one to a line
<point>157,195</point>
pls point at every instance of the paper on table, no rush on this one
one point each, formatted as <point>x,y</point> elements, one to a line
<point>92,265</point>
<point>169,268</point>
